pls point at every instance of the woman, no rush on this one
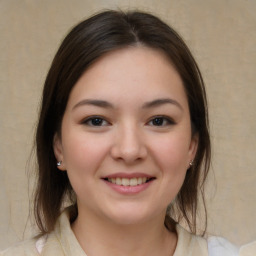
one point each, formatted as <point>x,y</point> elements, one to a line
<point>123,139</point>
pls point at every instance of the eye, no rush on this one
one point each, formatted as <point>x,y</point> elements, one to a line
<point>161,121</point>
<point>95,121</point>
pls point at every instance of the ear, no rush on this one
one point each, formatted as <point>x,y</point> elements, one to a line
<point>193,148</point>
<point>58,152</point>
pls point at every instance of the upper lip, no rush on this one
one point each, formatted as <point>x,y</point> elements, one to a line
<point>127,175</point>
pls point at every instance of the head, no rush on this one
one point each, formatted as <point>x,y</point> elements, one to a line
<point>85,44</point>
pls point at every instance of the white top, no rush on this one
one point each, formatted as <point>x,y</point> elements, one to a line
<point>63,242</point>
<point>218,246</point>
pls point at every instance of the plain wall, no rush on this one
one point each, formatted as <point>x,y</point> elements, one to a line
<point>222,36</point>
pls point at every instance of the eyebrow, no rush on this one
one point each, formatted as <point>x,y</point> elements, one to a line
<point>106,104</point>
<point>97,103</point>
<point>159,102</point>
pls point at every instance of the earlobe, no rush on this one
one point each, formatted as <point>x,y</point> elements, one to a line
<point>57,148</point>
<point>192,150</point>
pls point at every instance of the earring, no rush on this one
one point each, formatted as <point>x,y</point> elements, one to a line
<point>191,163</point>
<point>59,163</point>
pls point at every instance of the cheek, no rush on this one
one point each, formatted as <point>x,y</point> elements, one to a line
<point>171,152</point>
<point>83,156</point>
<point>82,153</point>
<point>171,157</point>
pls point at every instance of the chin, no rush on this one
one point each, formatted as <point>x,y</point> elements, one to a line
<point>131,216</point>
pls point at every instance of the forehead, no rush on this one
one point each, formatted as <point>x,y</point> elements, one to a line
<point>133,73</point>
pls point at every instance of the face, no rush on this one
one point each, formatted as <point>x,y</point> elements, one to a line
<point>126,139</point>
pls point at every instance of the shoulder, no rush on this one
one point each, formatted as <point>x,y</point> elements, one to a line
<point>60,241</point>
<point>248,249</point>
<point>190,244</point>
<point>43,245</point>
<point>26,248</point>
<point>218,246</point>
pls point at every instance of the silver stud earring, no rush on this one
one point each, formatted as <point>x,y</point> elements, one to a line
<point>59,163</point>
<point>191,163</point>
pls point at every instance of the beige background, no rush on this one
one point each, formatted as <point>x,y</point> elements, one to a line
<point>222,36</point>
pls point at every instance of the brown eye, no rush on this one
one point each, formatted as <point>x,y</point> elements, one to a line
<point>160,121</point>
<point>95,121</point>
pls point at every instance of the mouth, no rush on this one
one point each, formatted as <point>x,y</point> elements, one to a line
<point>129,182</point>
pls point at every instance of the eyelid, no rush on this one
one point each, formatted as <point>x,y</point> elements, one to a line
<point>166,119</point>
<point>90,118</point>
<point>169,120</point>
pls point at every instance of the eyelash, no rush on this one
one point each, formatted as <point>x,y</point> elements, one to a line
<point>164,121</point>
<point>88,121</point>
<point>161,121</point>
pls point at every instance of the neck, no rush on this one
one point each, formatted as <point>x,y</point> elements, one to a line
<point>98,237</point>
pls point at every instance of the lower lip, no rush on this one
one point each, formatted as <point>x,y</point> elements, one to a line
<point>129,190</point>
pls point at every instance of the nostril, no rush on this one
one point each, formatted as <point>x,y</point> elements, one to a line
<point>128,145</point>
<point>129,153</point>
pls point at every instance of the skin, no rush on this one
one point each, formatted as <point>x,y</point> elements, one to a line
<point>143,127</point>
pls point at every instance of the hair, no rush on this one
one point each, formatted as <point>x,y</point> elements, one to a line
<point>86,43</point>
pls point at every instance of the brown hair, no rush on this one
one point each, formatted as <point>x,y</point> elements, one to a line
<point>86,42</point>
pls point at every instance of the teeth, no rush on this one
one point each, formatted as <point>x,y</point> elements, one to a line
<point>125,182</point>
<point>118,181</point>
<point>128,182</point>
<point>133,182</point>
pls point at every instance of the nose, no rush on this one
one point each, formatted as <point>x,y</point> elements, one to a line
<point>129,145</point>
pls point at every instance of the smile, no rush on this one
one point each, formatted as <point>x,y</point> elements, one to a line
<point>129,182</point>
